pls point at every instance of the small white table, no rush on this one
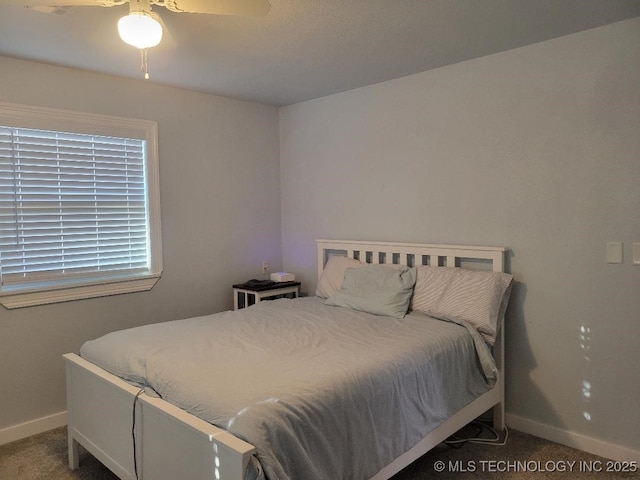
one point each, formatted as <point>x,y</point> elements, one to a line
<point>243,291</point>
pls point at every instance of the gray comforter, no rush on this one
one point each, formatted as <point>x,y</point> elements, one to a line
<point>322,392</point>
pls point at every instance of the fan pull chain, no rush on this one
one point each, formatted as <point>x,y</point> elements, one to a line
<point>144,63</point>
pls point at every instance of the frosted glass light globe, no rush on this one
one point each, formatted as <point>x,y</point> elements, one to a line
<point>140,30</point>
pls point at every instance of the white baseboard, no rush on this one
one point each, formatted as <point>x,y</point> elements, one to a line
<point>574,440</point>
<point>33,427</point>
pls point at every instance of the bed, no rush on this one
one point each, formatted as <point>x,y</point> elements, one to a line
<point>182,426</point>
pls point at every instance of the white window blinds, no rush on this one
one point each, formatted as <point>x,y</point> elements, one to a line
<point>71,204</point>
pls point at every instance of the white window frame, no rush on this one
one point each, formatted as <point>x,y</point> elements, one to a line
<point>23,116</point>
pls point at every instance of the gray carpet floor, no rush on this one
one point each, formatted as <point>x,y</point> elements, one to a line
<point>44,456</point>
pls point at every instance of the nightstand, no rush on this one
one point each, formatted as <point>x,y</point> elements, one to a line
<point>243,292</point>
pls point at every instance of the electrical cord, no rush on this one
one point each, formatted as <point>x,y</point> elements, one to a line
<point>133,433</point>
<point>456,442</point>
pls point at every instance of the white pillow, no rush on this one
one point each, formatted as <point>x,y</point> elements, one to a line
<point>333,274</point>
<point>477,297</point>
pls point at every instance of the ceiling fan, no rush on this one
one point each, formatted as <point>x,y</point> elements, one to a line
<point>142,27</point>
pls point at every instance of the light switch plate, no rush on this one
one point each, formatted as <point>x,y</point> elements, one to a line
<point>614,252</point>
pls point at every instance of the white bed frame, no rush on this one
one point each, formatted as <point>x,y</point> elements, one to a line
<point>171,443</point>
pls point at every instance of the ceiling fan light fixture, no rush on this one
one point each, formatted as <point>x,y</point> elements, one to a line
<point>140,30</point>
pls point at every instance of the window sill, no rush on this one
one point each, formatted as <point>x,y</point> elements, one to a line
<point>32,298</point>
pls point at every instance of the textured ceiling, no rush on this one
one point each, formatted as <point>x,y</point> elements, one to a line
<point>302,49</point>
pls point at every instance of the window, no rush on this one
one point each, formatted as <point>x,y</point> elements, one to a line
<point>79,206</point>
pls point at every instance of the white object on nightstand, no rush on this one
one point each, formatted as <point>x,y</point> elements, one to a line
<point>283,277</point>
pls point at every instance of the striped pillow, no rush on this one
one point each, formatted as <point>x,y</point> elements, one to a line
<point>477,297</point>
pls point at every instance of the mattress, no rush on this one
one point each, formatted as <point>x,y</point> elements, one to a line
<point>322,392</point>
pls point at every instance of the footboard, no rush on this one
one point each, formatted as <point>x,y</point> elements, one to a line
<point>170,443</point>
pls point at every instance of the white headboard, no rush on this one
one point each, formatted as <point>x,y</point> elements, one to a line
<point>412,254</point>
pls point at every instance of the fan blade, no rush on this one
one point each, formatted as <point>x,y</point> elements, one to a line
<point>66,3</point>
<point>249,8</point>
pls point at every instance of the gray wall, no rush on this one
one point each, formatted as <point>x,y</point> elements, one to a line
<point>219,191</point>
<point>536,149</point>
